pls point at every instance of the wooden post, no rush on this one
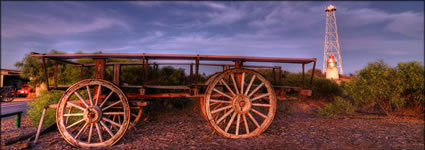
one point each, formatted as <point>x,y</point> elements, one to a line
<point>143,69</point>
<point>196,91</point>
<point>81,72</point>
<point>274,75</point>
<point>196,71</point>
<point>191,73</point>
<point>100,68</point>
<point>40,124</point>
<point>238,64</point>
<point>280,74</point>
<point>117,70</point>
<point>312,74</point>
<point>145,80</point>
<point>303,76</point>
<point>46,77</point>
<point>56,75</point>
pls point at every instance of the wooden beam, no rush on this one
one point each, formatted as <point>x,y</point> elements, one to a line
<point>117,70</point>
<point>100,68</point>
<point>46,77</point>
<point>56,74</point>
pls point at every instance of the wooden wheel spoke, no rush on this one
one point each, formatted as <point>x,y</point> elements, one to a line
<point>221,93</point>
<point>113,113</point>
<point>224,116</point>
<point>253,120</point>
<point>238,120</point>
<point>90,133</point>
<point>230,122</point>
<point>82,130</point>
<point>67,118</point>
<point>112,122</point>
<point>75,105</point>
<point>234,83</point>
<point>221,109</point>
<point>242,82</point>
<point>261,96</point>
<point>98,132</point>
<point>113,104</point>
<point>99,89</point>
<point>246,124</point>
<point>81,98</point>
<point>134,115</point>
<point>259,113</point>
<point>77,114</point>
<point>261,105</point>
<point>107,97</point>
<point>256,89</point>
<point>106,128</point>
<point>228,88</point>
<point>250,84</point>
<point>75,123</point>
<point>219,101</point>
<point>90,96</point>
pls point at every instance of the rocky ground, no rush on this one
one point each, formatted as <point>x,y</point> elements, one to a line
<point>295,127</point>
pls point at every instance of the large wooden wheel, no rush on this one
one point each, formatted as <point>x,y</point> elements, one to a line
<point>240,103</point>
<point>85,119</point>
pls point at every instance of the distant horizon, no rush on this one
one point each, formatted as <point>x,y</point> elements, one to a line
<point>368,31</point>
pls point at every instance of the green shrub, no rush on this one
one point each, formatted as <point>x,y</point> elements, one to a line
<point>339,106</point>
<point>36,107</point>
<point>389,88</point>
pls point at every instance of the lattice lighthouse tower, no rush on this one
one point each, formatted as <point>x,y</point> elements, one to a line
<point>332,61</point>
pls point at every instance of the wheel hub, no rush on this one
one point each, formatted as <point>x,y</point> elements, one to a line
<point>93,114</point>
<point>241,104</point>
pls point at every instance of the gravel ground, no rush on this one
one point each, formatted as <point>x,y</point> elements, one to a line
<point>295,128</point>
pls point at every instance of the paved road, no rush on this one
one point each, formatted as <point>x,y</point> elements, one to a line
<point>13,107</point>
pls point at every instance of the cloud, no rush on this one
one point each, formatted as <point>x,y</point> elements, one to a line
<point>24,24</point>
<point>409,24</point>
<point>406,23</point>
<point>146,3</point>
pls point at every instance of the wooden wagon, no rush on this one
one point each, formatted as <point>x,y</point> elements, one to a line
<point>237,102</point>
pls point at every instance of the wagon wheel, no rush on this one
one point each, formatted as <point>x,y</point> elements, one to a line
<point>8,94</point>
<point>92,112</point>
<point>239,109</point>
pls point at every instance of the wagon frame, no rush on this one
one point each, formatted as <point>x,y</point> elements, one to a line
<point>109,111</point>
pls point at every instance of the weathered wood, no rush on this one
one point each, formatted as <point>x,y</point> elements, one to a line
<point>96,115</point>
<point>191,73</point>
<point>242,104</point>
<point>303,77</point>
<point>40,124</point>
<point>30,135</point>
<point>100,68</point>
<point>81,72</point>
<point>312,74</point>
<point>46,76</point>
<point>146,70</point>
<point>117,70</point>
<point>56,74</point>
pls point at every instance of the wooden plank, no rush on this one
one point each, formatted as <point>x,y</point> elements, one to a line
<point>46,77</point>
<point>100,68</point>
<point>178,57</point>
<point>117,70</point>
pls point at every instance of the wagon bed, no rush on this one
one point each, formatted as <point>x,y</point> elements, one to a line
<point>237,102</point>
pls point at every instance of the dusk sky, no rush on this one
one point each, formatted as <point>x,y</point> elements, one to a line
<point>392,31</point>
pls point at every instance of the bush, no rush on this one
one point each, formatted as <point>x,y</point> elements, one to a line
<point>339,106</point>
<point>36,107</point>
<point>389,88</point>
<point>321,88</point>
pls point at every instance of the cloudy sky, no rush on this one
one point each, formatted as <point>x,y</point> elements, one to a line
<point>392,31</point>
